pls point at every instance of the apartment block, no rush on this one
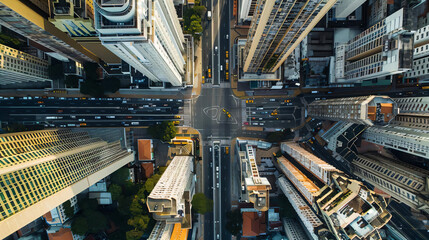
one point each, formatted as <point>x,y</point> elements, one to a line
<point>304,211</point>
<point>406,183</point>
<point>276,30</point>
<point>257,187</point>
<point>315,165</point>
<point>413,105</point>
<point>367,110</point>
<point>146,34</point>
<point>18,67</point>
<point>41,169</point>
<point>344,8</point>
<point>20,18</point>
<point>345,205</point>
<point>170,200</point>
<point>161,231</point>
<point>412,121</point>
<point>247,9</point>
<point>293,228</point>
<point>408,140</point>
<point>420,56</point>
<point>382,50</point>
<point>57,217</point>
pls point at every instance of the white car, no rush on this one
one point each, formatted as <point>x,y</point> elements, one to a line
<point>217,185</point>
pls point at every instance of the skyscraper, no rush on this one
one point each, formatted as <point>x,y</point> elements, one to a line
<point>367,110</point>
<point>346,206</point>
<point>18,67</point>
<point>42,169</point>
<point>276,30</point>
<point>384,49</point>
<point>28,22</point>
<point>170,199</point>
<point>144,33</point>
<point>404,182</point>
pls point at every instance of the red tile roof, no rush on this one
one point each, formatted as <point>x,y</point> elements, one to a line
<point>253,224</point>
<point>145,149</point>
<point>147,169</point>
<point>48,216</point>
<point>62,234</point>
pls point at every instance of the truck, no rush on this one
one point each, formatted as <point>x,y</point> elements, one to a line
<point>209,15</point>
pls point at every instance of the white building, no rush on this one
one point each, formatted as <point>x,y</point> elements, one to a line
<point>170,200</point>
<point>18,67</point>
<point>144,33</point>
<point>247,9</point>
<point>57,216</point>
<point>382,50</point>
<point>367,110</point>
<point>409,140</point>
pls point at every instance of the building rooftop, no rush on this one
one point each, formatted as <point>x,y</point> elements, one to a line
<point>179,233</point>
<point>145,149</point>
<point>254,224</point>
<point>62,234</point>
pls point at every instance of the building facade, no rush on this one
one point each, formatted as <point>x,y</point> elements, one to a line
<point>25,21</point>
<point>408,140</point>
<point>41,169</point>
<point>367,110</point>
<point>276,30</point>
<point>146,34</point>
<point>18,67</point>
<point>382,50</point>
<point>170,199</point>
<point>247,9</point>
<point>406,183</point>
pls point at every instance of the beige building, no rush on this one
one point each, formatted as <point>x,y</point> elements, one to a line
<point>42,169</point>
<point>170,200</point>
<point>276,30</point>
<point>367,110</point>
<point>344,205</point>
<point>18,67</point>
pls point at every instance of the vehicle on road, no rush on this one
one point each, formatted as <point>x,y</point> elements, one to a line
<point>134,123</point>
<point>209,73</point>
<point>217,168</point>
<point>177,117</point>
<point>227,37</point>
<point>226,65</point>
<point>110,117</point>
<point>176,122</point>
<point>209,15</point>
<point>97,117</point>
<point>227,150</point>
<point>217,185</point>
<point>226,75</point>
<point>216,49</point>
<point>221,67</point>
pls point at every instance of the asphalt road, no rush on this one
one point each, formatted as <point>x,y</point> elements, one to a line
<point>88,112</point>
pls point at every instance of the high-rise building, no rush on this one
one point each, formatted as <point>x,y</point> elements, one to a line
<point>144,33</point>
<point>76,18</point>
<point>43,169</point>
<point>408,140</point>
<point>276,30</point>
<point>18,67</point>
<point>367,110</point>
<point>382,50</point>
<point>406,183</point>
<point>414,112</point>
<point>247,9</point>
<point>22,19</point>
<point>257,188</point>
<point>161,231</point>
<point>170,199</point>
<point>346,206</point>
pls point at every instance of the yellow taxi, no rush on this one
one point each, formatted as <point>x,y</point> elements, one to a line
<point>227,75</point>
<point>226,54</point>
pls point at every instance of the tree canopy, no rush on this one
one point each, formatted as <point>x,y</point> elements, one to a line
<point>68,209</point>
<point>201,204</point>
<point>116,191</point>
<point>164,131</point>
<point>120,176</point>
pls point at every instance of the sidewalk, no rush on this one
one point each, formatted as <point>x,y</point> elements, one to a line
<point>196,90</point>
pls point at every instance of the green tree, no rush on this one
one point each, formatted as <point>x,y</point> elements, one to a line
<point>139,222</point>
<point>120,176</point>
<point>234,221</point>
<point>124,205</point>
<point>162,170</point>
<point>80,225</point>
<point>111,84</point>
<point>200,10</point>
<point>116,191</point>
<point>201,204</point>
<point>136,207</point>
<point>164,131</point>
<point>149,184</point>
<point>68,209</point>
<point>96,220</point>
<point>72,81</point>
<point>197,2</point>
<point>134,234</point>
